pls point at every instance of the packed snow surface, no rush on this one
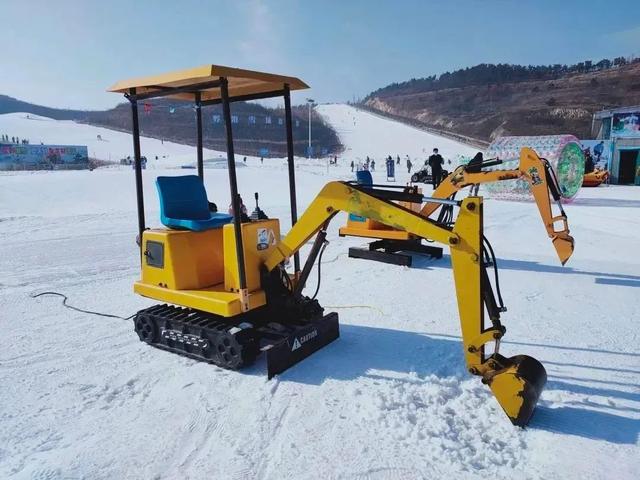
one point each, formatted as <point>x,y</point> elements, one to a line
<point>82,397</point>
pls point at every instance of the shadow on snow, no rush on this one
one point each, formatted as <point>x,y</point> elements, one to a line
<point>619,279</point>
<point>361,349</point>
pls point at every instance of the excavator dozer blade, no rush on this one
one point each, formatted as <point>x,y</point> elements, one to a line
<point>564,248</point>
<point>302,342</point>
<point>517,387</point>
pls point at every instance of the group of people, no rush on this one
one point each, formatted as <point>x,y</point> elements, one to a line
<point>7,139</point>
<point>435,162</point>
<point>369,164</point>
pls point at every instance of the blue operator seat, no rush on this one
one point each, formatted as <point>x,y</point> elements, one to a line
<point>363,177</point>
<point>184,204</point>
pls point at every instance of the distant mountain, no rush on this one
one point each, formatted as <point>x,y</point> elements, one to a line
<point>487,101</point>
<point>11,105</point>
<point>257,126</point>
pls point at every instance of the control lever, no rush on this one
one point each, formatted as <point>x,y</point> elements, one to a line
<point>257,213</point>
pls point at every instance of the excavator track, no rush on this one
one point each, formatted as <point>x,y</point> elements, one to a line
<point>236,342</point>
<point>199,335</point>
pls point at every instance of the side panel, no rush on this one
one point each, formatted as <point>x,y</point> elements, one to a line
<point>259,240</point>
<point>191,260</point>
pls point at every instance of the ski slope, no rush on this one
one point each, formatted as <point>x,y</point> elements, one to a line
<point>365,134</point>
<point>81,397</point>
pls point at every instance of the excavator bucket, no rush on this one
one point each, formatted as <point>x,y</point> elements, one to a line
<point>564,247</point>
<point>517,385</point>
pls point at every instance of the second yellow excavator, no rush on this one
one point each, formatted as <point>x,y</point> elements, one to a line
<point>535,170</point>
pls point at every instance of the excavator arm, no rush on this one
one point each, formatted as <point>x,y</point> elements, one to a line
<point>537,172</point>
<point>517,381</point>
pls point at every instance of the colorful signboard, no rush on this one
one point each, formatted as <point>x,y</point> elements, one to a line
<point>24,156</point>
<point>601,152</point>
<point>626,125</point>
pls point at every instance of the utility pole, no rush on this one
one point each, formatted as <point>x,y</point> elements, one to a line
<point>310,102</point>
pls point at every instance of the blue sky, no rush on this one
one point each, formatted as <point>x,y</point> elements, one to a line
<point>65,53</point>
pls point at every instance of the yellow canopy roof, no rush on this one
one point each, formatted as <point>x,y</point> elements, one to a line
<point>241,82</point>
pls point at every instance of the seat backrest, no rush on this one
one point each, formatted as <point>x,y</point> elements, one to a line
<point>183,197</point>
<point>363,177</point>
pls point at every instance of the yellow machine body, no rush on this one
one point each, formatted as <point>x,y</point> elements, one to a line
<point>200,270</point>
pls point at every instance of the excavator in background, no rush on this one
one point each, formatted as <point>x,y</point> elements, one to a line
<point>224,292</point>
<point>535,170</point>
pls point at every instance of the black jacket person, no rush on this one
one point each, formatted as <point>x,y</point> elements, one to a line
<point>435,162</point>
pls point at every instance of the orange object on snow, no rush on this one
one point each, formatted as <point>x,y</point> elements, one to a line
<point>595,178</point>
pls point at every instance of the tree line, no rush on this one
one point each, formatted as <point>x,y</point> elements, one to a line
<point>488,74</point>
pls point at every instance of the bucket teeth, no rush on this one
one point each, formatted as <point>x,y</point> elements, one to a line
<point>564,247</point>
<point>517,385</point>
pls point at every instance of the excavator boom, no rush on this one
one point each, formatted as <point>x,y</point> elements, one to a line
<point>538,173</point>
<point>517,381</point>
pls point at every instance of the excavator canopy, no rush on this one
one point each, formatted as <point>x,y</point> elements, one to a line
<point>210,85</point>
<point>182,84</point>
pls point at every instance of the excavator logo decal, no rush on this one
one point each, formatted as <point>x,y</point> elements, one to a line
<point>266,237</point>
<point>303,339</point>
<point>535,176</point>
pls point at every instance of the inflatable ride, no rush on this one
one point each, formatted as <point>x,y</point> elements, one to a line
<point>595,178</point>
<point>562,151</point>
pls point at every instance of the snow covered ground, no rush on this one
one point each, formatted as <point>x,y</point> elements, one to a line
<point>102,143</point>
<point>81,397</point>
<point>366,134</point>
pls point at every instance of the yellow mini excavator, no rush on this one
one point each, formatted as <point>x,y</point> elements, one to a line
<point>224,291</point>
<point>535,170</point>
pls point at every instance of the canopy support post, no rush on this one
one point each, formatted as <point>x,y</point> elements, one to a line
<point>292,171</point>
<point>199,136</point>
<point>131,96</point>
<point>235,197</point>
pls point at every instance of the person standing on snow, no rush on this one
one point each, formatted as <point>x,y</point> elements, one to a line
<point>352,165</point>
<point>598,150</point>
<point>409,165</point>
<point>435,162</point>
<point>398,160</point>
<point>373,165</point>
<point>588,161</point>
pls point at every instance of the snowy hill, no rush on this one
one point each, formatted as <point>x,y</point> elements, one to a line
<point>363,133</point>
<point>81,397</point>
<point>103,144</point>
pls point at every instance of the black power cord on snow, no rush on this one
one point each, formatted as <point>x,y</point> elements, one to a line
<point>90,312</point>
